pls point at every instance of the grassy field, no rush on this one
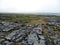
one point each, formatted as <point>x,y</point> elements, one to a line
<point>25,18</point>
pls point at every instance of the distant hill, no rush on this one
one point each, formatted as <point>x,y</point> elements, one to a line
<point>47,14</point>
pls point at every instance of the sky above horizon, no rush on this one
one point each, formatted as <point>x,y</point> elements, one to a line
<point>29,6</point>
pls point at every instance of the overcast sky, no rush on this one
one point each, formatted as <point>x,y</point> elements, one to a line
<point>30,6</point>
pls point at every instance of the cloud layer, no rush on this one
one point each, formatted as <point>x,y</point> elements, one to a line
<point>29,6</point>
